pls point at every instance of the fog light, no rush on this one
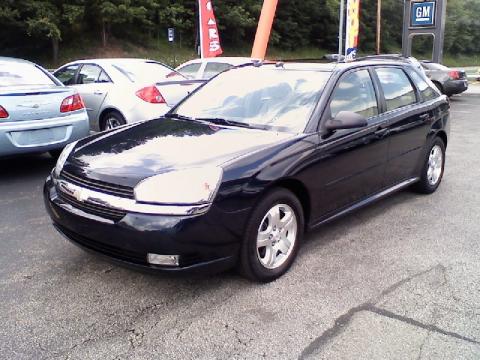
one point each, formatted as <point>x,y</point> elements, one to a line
<point>165,260</point>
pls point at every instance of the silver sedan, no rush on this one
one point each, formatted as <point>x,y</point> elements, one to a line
<point>37,113</point>
<point>120,91</point>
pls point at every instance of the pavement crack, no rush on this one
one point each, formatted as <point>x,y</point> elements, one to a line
<point>339,325</point>
<point>342,321</point>
<point>428,327</point>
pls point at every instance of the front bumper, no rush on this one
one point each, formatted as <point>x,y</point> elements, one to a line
<point>35,136</point>
<point>453,87</point>
<point>205,243</point>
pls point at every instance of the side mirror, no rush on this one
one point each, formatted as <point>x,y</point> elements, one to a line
<point>346,120</point>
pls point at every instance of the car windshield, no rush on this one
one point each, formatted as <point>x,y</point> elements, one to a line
<point>14,74</point>
<point>144,71</point>
<point>267,97</point>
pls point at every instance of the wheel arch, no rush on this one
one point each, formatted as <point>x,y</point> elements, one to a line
<point>101,117</point>
<point>443,135</point>
<point>299,189</point>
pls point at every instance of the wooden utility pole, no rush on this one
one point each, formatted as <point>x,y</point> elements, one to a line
<point>379,24</point>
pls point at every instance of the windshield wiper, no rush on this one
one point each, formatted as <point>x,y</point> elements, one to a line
<point>222,121</point>
<point>178,116</point>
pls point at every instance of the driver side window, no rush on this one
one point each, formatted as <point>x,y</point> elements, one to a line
<point>355,92</point>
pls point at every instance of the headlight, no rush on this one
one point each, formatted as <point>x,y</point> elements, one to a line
<point>188,186</point>
<point>63,157</point>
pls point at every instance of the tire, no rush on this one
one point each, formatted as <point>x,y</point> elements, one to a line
<point>55,153</point>
<point>433,168</point>
<point>267,263</point>
<point>111,120</point>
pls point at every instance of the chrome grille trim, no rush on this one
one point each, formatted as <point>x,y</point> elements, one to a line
<point>96,185</point>
<point>101,200</point>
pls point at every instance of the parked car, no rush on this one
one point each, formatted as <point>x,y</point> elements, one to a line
<point>207,68</point>
<point>448,81</point>
<point>121,91</point>
<point>37,113</point>
<point>238,171</point>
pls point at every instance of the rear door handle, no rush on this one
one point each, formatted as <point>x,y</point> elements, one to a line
<point>381,132</point>
<point>98,92</point>
<point>425,116</point>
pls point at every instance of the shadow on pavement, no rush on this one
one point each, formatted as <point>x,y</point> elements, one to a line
<point>24,166</point>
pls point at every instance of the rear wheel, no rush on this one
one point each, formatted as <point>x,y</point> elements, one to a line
<point>432,172</point>
<point>111,120</point>
<point>272,237</point>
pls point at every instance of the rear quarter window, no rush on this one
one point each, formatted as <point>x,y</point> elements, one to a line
<point>397,88</point>
<point>428,93</point>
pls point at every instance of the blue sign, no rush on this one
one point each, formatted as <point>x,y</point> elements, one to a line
<point>422,14</point>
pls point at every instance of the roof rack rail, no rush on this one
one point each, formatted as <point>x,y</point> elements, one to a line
<point>382,57</point>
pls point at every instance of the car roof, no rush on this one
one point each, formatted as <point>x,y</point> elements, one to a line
<point>4,59</point>
<point>234,60</point>
<point>102,61</point>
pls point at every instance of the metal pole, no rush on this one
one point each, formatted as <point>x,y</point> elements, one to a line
<point>340,29</point>
<point>379,24</point>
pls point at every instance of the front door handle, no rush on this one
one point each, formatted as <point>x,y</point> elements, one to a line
<point>425,116</point>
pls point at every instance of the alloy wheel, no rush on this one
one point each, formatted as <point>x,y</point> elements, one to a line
<point>112,123</point>
<point>276,236</point>
<point>435,165</point>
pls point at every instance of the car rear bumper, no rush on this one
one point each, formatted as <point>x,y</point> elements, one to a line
<point>453,87</point>
<point>204,243</point>
<point>21,137</point>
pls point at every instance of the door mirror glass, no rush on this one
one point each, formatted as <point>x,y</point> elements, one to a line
<point>346,120</point>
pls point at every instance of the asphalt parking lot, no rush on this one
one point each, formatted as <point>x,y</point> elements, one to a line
<point>397,280</point>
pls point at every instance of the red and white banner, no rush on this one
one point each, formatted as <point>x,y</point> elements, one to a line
<point>209,37</point>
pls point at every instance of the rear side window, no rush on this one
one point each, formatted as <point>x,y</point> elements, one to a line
<point>396,87</point>
<point>14,74</point>
<point>89,74</point>
<point>67,74</point>
<point>355,93</point>
<point>213,68</point>
<point>428,93</point>
<point>190,70</point>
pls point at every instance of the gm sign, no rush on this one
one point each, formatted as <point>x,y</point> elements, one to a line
<point>422,14</point>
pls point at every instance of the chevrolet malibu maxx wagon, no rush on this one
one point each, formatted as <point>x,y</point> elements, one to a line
<point>237,172</point>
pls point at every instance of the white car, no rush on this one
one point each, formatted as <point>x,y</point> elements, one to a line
<point>120,91</point>
<point>206,68</point>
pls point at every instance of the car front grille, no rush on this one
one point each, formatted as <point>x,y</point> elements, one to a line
<point>100,186</point>
<point>94,209</point>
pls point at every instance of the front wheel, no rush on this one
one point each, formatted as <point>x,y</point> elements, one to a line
<point>272,237</point>
<point>432,171</point>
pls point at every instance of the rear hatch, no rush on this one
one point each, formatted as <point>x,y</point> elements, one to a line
<point>27,102</point>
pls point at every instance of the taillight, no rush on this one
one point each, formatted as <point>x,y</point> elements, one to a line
<point>454,75</point>
<point>72,103</point>
<point>3,113</point>
<point>150,94</point>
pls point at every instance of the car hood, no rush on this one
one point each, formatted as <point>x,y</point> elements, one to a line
<point>128,155</point>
